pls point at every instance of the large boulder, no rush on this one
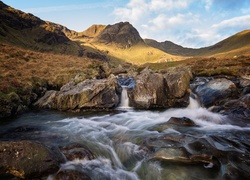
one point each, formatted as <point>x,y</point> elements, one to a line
<point>27,160</point>
<point>149,91</point>
<point>215,91</point>
<point>89,94</point>
<point>154,90</point>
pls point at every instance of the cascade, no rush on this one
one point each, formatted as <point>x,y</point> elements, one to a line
<point>194,101</point>
<point>125,83</point>
<point>124,98</point>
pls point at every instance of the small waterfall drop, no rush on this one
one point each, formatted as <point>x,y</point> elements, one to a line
<point>126,84</point>
<point>194,101</point>
<point>124,98</point>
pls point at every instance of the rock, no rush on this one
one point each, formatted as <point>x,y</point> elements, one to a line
<point>69,174</point>
<point>89,94</point>
<point>215,91</point>
<point>154,90</point>
<point>77,151</point>
<point>149,91</point>
<point>10,104</point>
<point>27,159</point>
<point>178,83</point>
<point>181,121</point>
<point>47,101</point>
<point>244,82</point>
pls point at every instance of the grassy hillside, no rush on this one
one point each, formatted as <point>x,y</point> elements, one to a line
<point>236,45</point>
<point>29,32</point>
<point>20,69</point>
<point>121,43</point>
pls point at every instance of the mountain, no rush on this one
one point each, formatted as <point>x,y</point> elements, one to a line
<point>237,44</point>
<point>28,31</point>
<point>120,43</point>
<point>123,34</point>
<point>170,47</point>
<point>92,31</point>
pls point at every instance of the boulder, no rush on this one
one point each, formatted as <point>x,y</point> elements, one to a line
<point>154,90</point>
<point>77,151</point>
<point>10,104</point>
<point>149,91</point>
<point>215,91</point>
<point>178,83</point>
<point>71,174</point>
<point>89,94</point>
<point>27,159</point>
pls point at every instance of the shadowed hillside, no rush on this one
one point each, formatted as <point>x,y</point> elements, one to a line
<point>30,32</point>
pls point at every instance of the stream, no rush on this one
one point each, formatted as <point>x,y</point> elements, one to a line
<point>134,144</point>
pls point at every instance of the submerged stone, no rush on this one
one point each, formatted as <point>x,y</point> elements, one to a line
<point>77,151</point>
<point>27,159</point>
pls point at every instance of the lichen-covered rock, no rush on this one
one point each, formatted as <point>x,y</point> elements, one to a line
<point>89,94</point>
<point>178,82</point>
<point>27,159</point>
<point>149,91</point>
<point>10,104</point>
<point>154,90</point>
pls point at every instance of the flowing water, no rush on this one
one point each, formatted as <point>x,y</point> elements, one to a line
<point>124,98</point>
<point>118,141</point>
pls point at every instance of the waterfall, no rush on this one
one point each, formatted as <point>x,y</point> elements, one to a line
<point>194,101</point>
<point>125,84</point>
<point>124,98</point>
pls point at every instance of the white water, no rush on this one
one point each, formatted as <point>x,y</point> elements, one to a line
<point>116,138</point>
<point>124,98</point>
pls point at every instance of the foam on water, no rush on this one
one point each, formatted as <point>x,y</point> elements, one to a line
<point>114,138</point>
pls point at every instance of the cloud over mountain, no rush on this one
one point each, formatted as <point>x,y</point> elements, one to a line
<point>191,23</point>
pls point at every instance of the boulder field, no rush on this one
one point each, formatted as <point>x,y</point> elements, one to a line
<point>152,90</point>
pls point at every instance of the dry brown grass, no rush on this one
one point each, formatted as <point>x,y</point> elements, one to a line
<point>20,68</point>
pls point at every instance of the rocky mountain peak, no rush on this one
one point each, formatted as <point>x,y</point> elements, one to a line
<point>123,34</point>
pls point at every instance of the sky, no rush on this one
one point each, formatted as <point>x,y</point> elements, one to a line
<point>190,23</point>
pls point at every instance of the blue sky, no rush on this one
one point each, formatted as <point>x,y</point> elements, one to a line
<point>190,23</point>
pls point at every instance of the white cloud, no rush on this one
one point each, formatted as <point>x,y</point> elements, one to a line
<point>190,23</point>
<point>157,5</point>
<point>135,10</point>
<point>208,4</point>
<point>236,22</point>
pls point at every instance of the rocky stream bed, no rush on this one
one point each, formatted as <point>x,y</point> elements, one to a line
<point>175,126</point>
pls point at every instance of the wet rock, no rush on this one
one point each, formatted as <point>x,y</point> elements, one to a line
<point>89,94</point>
<point>69,174</point>
<point>244,82</point>
<point>246,90</point>
<point>174,122</point>
<point>215,91</point>
<point>77,151</point>
<point>27,159</point>
<point>180,155</point>
<point>181,121</point>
